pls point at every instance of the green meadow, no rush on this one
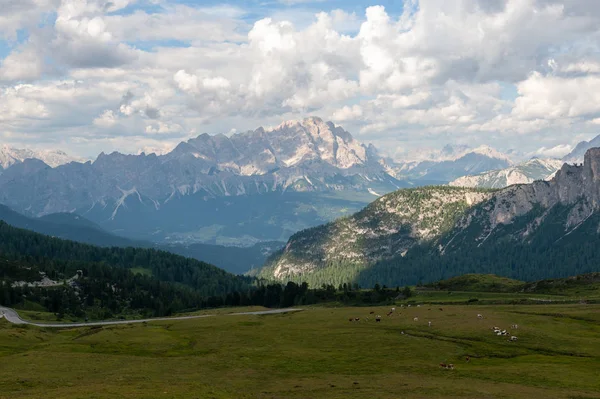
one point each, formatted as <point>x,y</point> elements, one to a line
<point>315,353</point>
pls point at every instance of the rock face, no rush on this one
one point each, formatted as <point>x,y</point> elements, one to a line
<point>576,187</point>
<point>447,221</point>
<point>523,173</point>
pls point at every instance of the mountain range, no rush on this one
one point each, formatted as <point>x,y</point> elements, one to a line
<point>546,228</point>
<point>258,186</point>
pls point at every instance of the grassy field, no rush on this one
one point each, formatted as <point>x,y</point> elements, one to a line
<point>316,353</point>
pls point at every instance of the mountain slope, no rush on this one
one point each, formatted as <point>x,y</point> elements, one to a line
<point>237,260</point>
<point>540,230</point>
<point>205,278</point>
<point>65,277</point>
<point>523,173</point>
<point>387,228</point>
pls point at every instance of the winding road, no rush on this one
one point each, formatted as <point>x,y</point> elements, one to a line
<point>13,317</point>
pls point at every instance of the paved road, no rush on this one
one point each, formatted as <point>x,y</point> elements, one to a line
<point>13,317</point>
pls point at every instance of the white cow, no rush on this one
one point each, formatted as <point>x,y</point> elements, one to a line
<point>429,324</point>
<point>416,319</point>
<point>479,316</point>
<point>513,338</point>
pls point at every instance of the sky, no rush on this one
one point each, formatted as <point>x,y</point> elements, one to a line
<point>86,76</point>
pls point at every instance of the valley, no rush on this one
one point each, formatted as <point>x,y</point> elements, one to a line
<point>318,353</point>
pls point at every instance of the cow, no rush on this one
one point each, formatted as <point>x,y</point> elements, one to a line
<point>468,359</point>
<point>429,324</point>
<point>514,326</point>
<point>378,318</point>
<point>416,319</point>
<point>371,312</point>
<point>513,338</point>
<point>479,316</point>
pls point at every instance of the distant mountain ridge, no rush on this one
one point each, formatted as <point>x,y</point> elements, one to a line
<point>578,153</point>
<point>10,156</point>
<point>522,173</point>
<point>181,196</point>
<point>451,163</point>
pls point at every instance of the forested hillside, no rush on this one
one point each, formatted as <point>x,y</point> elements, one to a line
<point>79,276</point>
<point>387,228</point>
<point>69,226</point>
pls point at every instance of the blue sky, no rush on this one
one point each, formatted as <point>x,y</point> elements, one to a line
<point>131,75</point>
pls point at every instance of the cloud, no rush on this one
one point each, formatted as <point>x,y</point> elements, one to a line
<point>23,64</point>
<point>558,151</point>
<point>467,71</point>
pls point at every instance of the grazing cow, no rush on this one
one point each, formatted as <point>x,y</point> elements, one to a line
<point>371,312</point>
<point>468,359</point>
<point>451,366</point>
<point>441,310</point>
<point>402,332</point>
<point>416,319</point>
<point>378,318</point>
<point>514,326</point>
<point>429,324</point>
<point>495,328</point>
<point>408,306</point>
<point>350,319</point>
<point>418,306</point>
<point>357,319</point>
<point>389,314</point>
<point>393,309</point>
<point>479,316</point>
<point>513,338</point>
<point>448,366</point>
